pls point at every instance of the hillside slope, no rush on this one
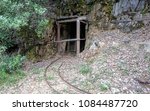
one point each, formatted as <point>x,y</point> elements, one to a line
<point>115,62</point>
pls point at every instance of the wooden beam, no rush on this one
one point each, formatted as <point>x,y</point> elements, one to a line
<point>58,36</point>
<point>68,40</point>
<point>67,17</point>
<point>82,18</point>
<point>78,36</point>
<point>65,21</point>
<point>72,19</point>
<point>83,22</point>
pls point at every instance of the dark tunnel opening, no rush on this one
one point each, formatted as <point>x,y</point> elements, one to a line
<point>68,32</point>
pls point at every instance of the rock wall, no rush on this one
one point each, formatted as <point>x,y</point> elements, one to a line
<point>125,15</point>
<point>104,12</point>
<point>128,6</point>
<point>131,14</point>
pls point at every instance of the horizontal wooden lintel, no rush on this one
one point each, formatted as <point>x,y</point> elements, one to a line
<point>68,40</point>
<point>82,19</point>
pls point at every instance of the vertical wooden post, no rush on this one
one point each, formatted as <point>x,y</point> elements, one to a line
<point>78,36</point>
<point>58,36</point>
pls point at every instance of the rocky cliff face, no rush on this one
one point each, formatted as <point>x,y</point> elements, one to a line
<point>128,6</point>
<point>131,14</point>
<point>125,15</point>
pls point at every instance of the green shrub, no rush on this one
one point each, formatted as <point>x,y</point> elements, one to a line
<point>104,87</point>
<point>10,79</point>
<point>10,66</point>
<point>84,69</point>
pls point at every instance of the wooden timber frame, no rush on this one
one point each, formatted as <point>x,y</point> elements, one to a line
<point>78,21</point>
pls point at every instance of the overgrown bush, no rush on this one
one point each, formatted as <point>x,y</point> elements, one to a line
<point>22,23</point>
<point>9,65</point>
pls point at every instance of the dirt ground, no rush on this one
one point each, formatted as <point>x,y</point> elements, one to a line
<point>119,64</point>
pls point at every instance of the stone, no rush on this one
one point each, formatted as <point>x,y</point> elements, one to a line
<point>124,88</point>
<point>145,46</point>
<point>134,4</point>
<point>115,44</point>
<point>126,40</point>
<point>115,90</point>
<point>111,26</point>
<point>101,44</point>
<point>146,20</point>
<point>116,9</point>
<point>138,16</point>
<point>144,79</point>
<point>125,26</point>
<point>141,5</point>
<point>95,45</point>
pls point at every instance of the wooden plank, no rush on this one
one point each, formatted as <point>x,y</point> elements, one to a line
<point>82,18</point>
<point>72,19</point>
<point>65,21</point>
<point>58,36</point>
<point>67,17</point>
<point>78,36</point>
<point>83,22</point>
<point>68,40</point>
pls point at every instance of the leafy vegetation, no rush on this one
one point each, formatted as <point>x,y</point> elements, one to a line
<point>104,87</point>
<point>7,79</point>
<point>20,22</point>
<point>74,7</point>
<point>15,15</point>
<point>85,69</point>
<point>10,67</point>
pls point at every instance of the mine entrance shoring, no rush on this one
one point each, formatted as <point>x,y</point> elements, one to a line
<point>71,34</point>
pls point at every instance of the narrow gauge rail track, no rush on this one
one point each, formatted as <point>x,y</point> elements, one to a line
<point>61,77</point>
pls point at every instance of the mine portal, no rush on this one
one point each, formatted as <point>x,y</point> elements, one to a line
<point>71,34</point>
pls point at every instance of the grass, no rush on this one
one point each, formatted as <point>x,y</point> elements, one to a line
<point>115,50</point>
<point>104,86</point>
<point>112,50</point>
<point>11,79</point>
<point>37,70</point>
<point>87,85</point>
<point>102,58</point>
<point>50,77</point>
<point>90,61</point>
<point>124,68</point>
<point>85,69</point>
<point>147,57</point>
<point>41,78</point>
